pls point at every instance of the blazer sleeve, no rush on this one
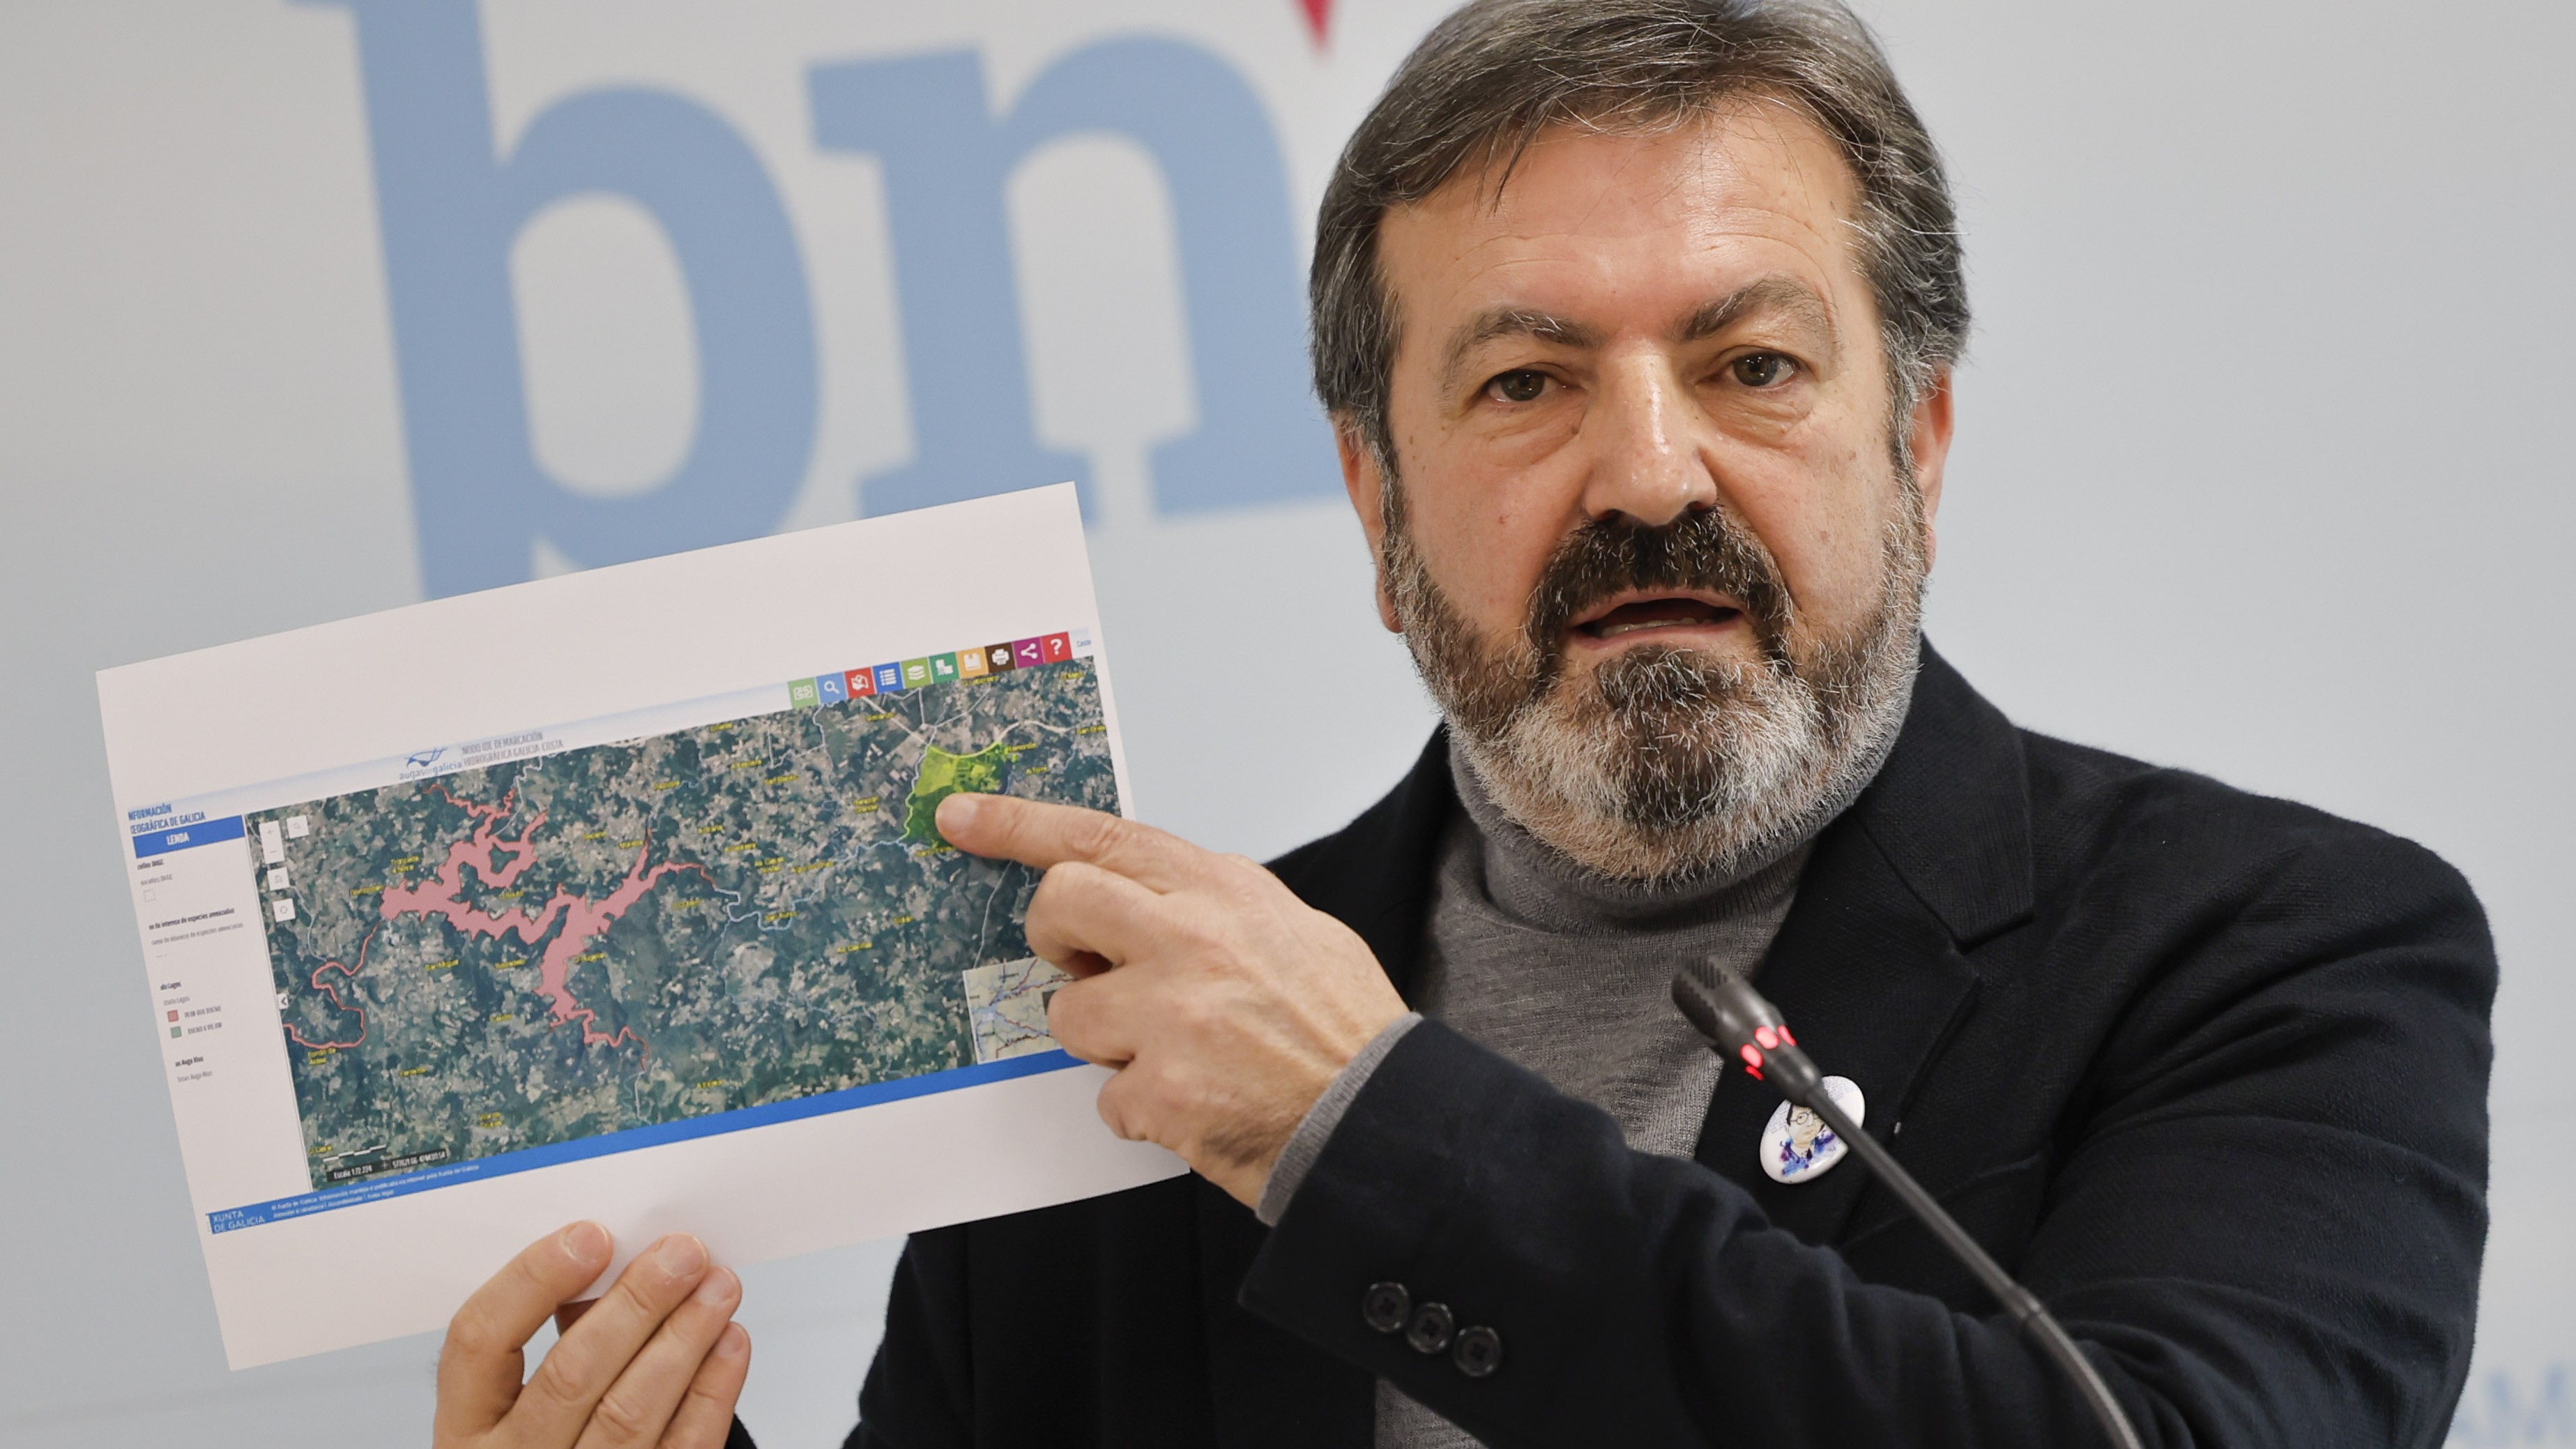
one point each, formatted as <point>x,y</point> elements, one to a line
<point>2263,1225</point>
<point>915,1394</point>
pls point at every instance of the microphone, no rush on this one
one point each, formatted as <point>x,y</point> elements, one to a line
<point>1744,1028</point>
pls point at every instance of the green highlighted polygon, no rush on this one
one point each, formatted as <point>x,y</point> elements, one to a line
<point>944,774</point>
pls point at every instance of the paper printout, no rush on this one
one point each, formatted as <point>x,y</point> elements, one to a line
<point>615,895</point>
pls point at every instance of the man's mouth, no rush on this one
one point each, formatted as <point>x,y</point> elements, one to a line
<point>1655,613</point>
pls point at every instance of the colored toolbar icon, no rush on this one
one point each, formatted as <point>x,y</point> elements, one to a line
<point>977,663</point>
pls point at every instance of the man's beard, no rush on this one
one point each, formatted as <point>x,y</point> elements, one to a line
<point>1669,762</point>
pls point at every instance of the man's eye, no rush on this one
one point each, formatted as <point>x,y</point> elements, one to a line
<point>1763,369</point>
<point>1520,387</point>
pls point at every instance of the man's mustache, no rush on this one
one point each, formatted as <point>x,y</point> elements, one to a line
<point>1705,550</point>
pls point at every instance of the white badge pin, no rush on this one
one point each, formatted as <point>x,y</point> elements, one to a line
<point>1798,1145</point>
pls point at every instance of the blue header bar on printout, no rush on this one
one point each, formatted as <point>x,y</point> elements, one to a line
<point>200,832</point>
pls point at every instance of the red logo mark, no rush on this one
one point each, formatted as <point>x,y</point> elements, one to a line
<point>1319,17</point>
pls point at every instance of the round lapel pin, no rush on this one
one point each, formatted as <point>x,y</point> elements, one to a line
<point>1797,1145</point>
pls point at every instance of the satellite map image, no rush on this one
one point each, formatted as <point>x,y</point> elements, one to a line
<point>544,949</point>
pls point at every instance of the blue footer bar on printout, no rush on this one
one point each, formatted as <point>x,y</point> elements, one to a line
<point>527,1159</point>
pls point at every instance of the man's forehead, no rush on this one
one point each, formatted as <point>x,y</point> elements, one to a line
<point>1752,183</point>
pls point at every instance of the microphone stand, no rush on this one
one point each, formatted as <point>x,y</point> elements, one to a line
<point>1743,1027</point>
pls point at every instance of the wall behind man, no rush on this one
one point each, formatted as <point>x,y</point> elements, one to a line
<point>2252,473</point>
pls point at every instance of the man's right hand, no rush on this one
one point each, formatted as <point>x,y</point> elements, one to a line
<point>657,1361</point>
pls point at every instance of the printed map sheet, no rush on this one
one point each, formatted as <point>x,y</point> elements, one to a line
<point>695,957</point>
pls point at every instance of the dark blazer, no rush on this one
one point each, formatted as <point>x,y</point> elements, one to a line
<point>2206,1070</point>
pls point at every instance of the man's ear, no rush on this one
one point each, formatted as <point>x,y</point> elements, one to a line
<point>1365,481</point>
<point>1929,438</point>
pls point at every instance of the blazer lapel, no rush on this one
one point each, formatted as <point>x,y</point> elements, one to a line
<point>1869,968</point>
<point>1375,874</point>
<point>1271,1388</point>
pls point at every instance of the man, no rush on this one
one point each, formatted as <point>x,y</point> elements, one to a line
<point>1636,320</point>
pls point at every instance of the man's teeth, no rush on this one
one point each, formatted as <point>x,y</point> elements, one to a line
<point>1613,631</point>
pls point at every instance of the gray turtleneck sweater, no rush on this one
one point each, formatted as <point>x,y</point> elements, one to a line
<point>1570,975</point>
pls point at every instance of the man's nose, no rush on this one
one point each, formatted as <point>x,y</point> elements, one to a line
<point>1645,461</point>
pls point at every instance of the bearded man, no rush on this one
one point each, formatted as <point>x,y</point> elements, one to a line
<point>1636,321</point>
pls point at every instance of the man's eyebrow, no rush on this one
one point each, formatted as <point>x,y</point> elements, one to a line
<point>1778,295</point>
<point>1496,323</point>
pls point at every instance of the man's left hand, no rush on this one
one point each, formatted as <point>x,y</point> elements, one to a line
<point>1226,1004</point>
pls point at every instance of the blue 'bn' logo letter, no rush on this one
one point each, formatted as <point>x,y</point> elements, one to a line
<point>946,162</point>
<point>451,207</point>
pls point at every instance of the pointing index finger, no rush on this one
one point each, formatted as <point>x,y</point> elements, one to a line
<point>1039,834</point>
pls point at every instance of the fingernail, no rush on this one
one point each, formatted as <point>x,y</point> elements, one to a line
<point>957,812</point>
<point>735,1342</point>
<point>586,1242</point>
<point>719,1286</point>
<point>680,1255</point>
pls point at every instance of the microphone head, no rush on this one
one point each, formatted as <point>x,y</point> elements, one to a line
<point>1698,1003</point>
<point>1741,1026</point>
<point>1722,1005</point>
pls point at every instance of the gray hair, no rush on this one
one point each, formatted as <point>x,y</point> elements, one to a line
<point>1490,78</point>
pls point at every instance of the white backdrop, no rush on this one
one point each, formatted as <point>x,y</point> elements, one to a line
<point>311,308</point>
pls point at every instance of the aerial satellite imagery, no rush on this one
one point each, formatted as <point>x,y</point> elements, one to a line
<point>572,944</point>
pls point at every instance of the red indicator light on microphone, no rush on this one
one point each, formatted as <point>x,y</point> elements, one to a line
<point>1770,1039</point>
<point>1784,1034</point>
<point>1752,1055</point>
